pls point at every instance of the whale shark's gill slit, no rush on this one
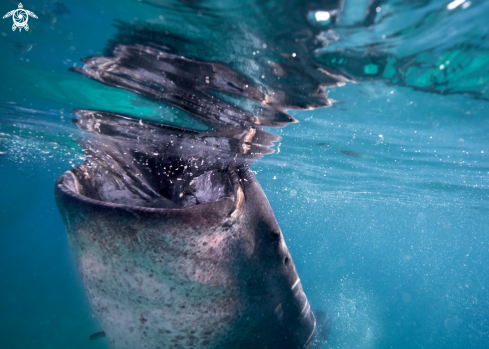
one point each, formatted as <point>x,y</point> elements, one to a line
<point>305,309</point>
<point>295,284</point>
<point>309,340</point>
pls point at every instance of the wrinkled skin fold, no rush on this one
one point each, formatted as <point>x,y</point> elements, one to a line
<point>212,275</point>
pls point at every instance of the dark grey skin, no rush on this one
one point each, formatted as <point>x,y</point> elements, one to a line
<point>212,275</point>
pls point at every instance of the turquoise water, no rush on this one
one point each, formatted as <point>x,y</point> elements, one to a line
<point>393,240</point>
<point>382,197</point>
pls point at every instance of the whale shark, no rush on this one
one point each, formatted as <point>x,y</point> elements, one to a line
<point>176,243</point>
<point>215,273</point>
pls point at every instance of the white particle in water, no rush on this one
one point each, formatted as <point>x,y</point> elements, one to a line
<point>322,16</point>
<point>454,4</point>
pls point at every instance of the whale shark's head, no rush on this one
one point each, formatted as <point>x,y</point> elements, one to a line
<point>206,266</point>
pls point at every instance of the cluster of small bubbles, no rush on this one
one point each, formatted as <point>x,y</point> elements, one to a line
<point>354,319</point>
<point>421,218</point>
<point>28,150</point>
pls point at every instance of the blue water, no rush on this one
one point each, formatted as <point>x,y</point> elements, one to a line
<point>392,242</point>
<point>383,198</point>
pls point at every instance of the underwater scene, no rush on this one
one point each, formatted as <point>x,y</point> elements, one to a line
<point>244,174</point>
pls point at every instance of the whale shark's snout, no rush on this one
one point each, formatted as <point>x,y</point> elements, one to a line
<point>203,265</point>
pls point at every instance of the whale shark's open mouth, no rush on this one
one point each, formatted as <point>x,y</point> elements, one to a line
<point>135,163</point>
<point>168,188</point>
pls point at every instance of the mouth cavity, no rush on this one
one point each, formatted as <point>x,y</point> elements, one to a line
<point>163,185</point>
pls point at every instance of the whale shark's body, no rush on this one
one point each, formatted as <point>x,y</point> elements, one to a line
<point>215,274</point>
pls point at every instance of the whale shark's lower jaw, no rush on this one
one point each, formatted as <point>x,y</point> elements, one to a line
<point>213,272</point>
